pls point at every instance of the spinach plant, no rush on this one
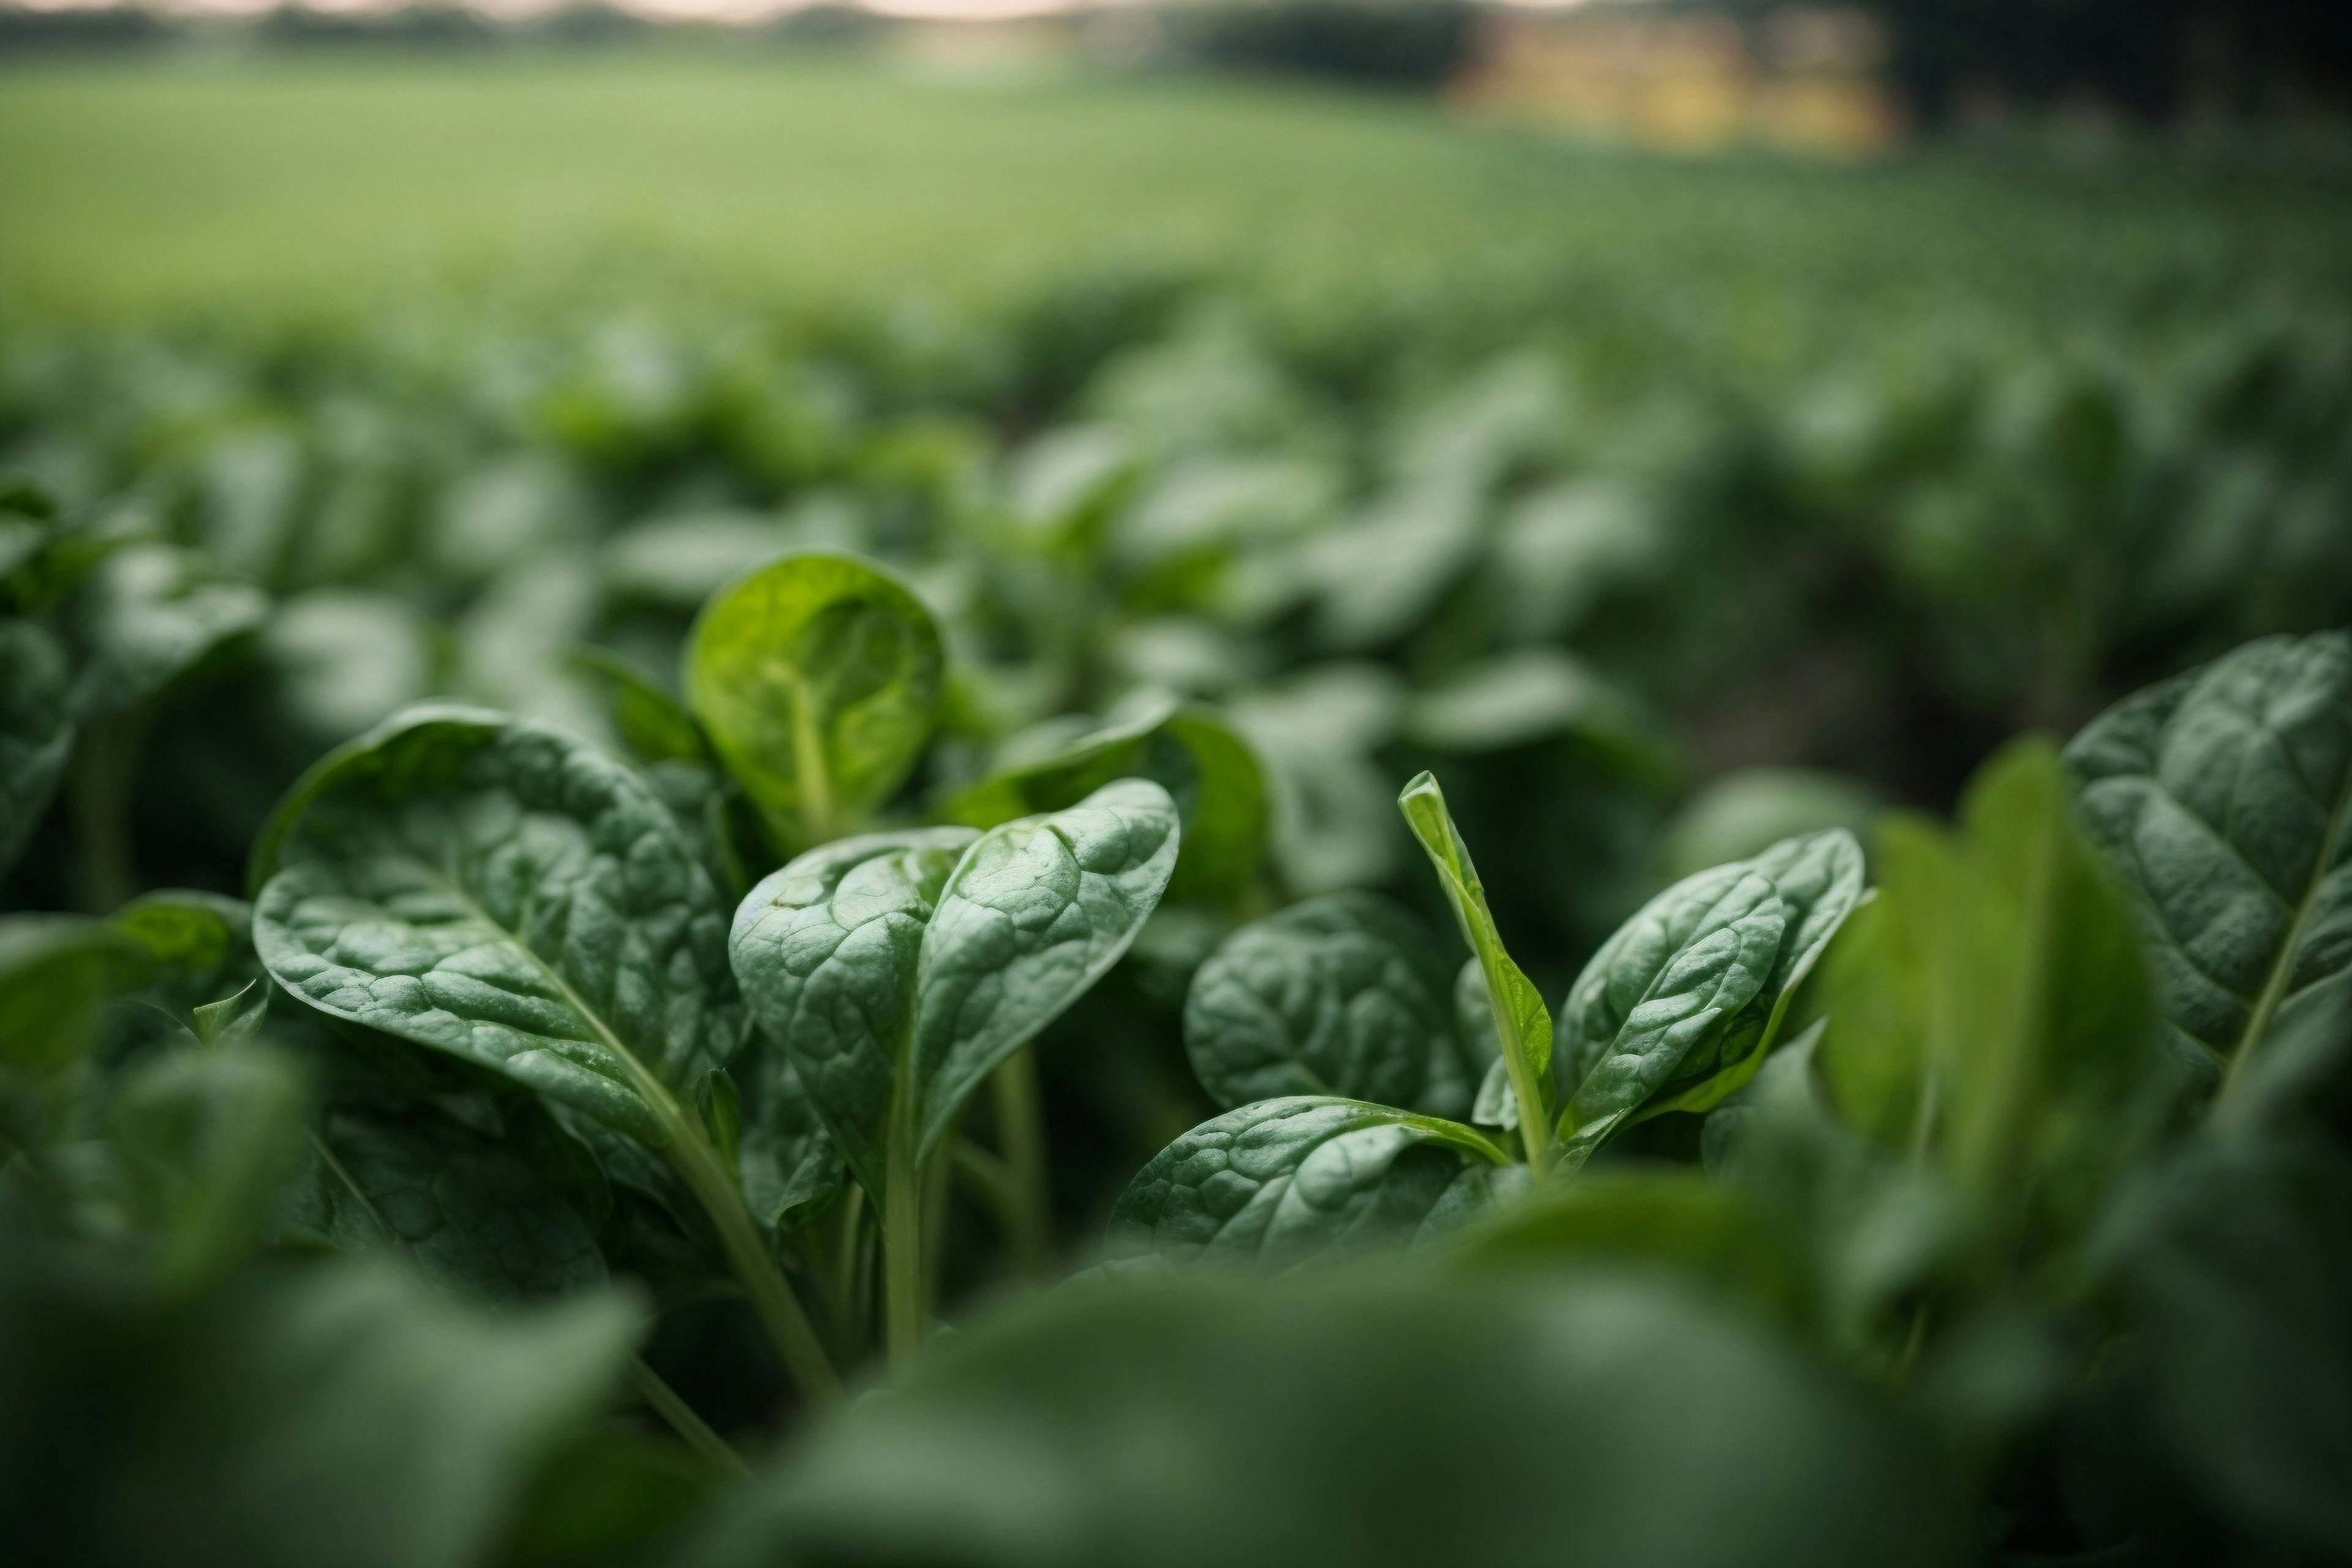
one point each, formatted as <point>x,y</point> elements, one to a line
<point>1305,1022</point>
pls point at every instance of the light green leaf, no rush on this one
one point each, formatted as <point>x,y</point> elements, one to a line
<point>1036,913</point>
<point>2224,796</point>
<point>57,972</point>
<point>826,952</point>
<point>1747,812</point>
<point>1523,1026</point>
<point>1345,995</point>
<point>36,730</point>
<point>1382,1423</point>
<point>232,1018</point>
<point>1202,762</point>
<point>1286,1181</point>
<point>497,890</point>
<point>817,679</point>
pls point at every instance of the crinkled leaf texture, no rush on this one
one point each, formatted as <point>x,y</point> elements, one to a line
<point>898,970</point>
<point>1680,1005</point>
<point>817,677</point>
<point>2225,797</point>
<point>35,730</point>
<point>1345,994</point>
<point>497,889</point>
<point>1390,1423</point>
<point>1286,1182</point>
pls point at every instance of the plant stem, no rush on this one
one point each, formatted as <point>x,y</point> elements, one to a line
<point>902,1245</point>
<point>105,768</point>
<point>665,1403</point>
<point>1021,1139</point>
<point>779,1310</point>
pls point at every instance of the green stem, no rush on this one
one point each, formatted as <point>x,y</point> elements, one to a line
<point>902,1245</point>
<point>105,769</point>
<point>789,1328</point>
<point>1021,1139</point>
<point>665,1403</point>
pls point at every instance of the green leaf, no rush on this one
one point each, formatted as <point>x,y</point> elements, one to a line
<point>1378,1423</point>
<point>347,1413</point>
<point>1036,913</point>
<point>233,1019</point>
<point>1523,1026</point>
<point>1872,1054</point>
<point>817,677</point>
<point>58,974</point>
<point>37,732</point>
<point>652,725</point>
<point>1286,1182</point>
<point>1746,811</point>
<point>2224,796</point>
<point>207,1140</point>
<point>468,1205</point>
<point>1204,764</point>
<point>150,614</point>
<point>1668,1220</point>
<point>792,1167</point>
<point>1345,995</point>
<point>2234,1265</point>
<point>826,950</point>
<point>1679,1009</point>
<point>497,890</point>
<point>1666,989</point>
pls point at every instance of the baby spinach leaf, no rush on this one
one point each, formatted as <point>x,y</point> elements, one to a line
<point>1036,913</point>
<point>495,889</point>
<point>1343,994</point>
<point>900,969</point>
<point>35,730</point>
<point>827,951</point>
<point>58,974</point>
<point>1669,986</point>
<point>1286,1182</point>
<point>1204,764</point>
<point>1679,1009</point>
<point>817,677</point>
<point>791,1168</point>
<point>1523,1026</point>
<point>1380,1423</point>
<point>2225,797</point>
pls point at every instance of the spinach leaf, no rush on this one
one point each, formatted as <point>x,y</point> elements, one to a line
<point>57,972</point>
<point>2225,797</point>
<point>1343,994</point>
<point>1382,1423</point>
<point>35,730</point>
<point>1523,1026</point>
<point>651,725</point>
<point>468,1205</point>
<point>1286,1182</point>
<point>346,1412</point>
<point>817,679</point>
<point>791,1168</point>
<point>900,969</point>
<point>1679,1009</point>
<point>826,950</point>
<point>1204,764</point>
<point>497,890</point>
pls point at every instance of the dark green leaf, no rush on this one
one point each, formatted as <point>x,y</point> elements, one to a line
<point>652,725</point>
<point>1204,1421</point>
<point>497,890</point>
<point>2225,797</point>
<point>150,614</point>
<point>35,730</point>
<point>1345,994</point>
<point>206,1140</point>
<point>1286,1182</point>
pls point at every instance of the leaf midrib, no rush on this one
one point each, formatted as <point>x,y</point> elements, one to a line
<point>2273,992</point>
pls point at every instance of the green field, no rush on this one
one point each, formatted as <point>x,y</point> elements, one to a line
<point>197,186</point>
